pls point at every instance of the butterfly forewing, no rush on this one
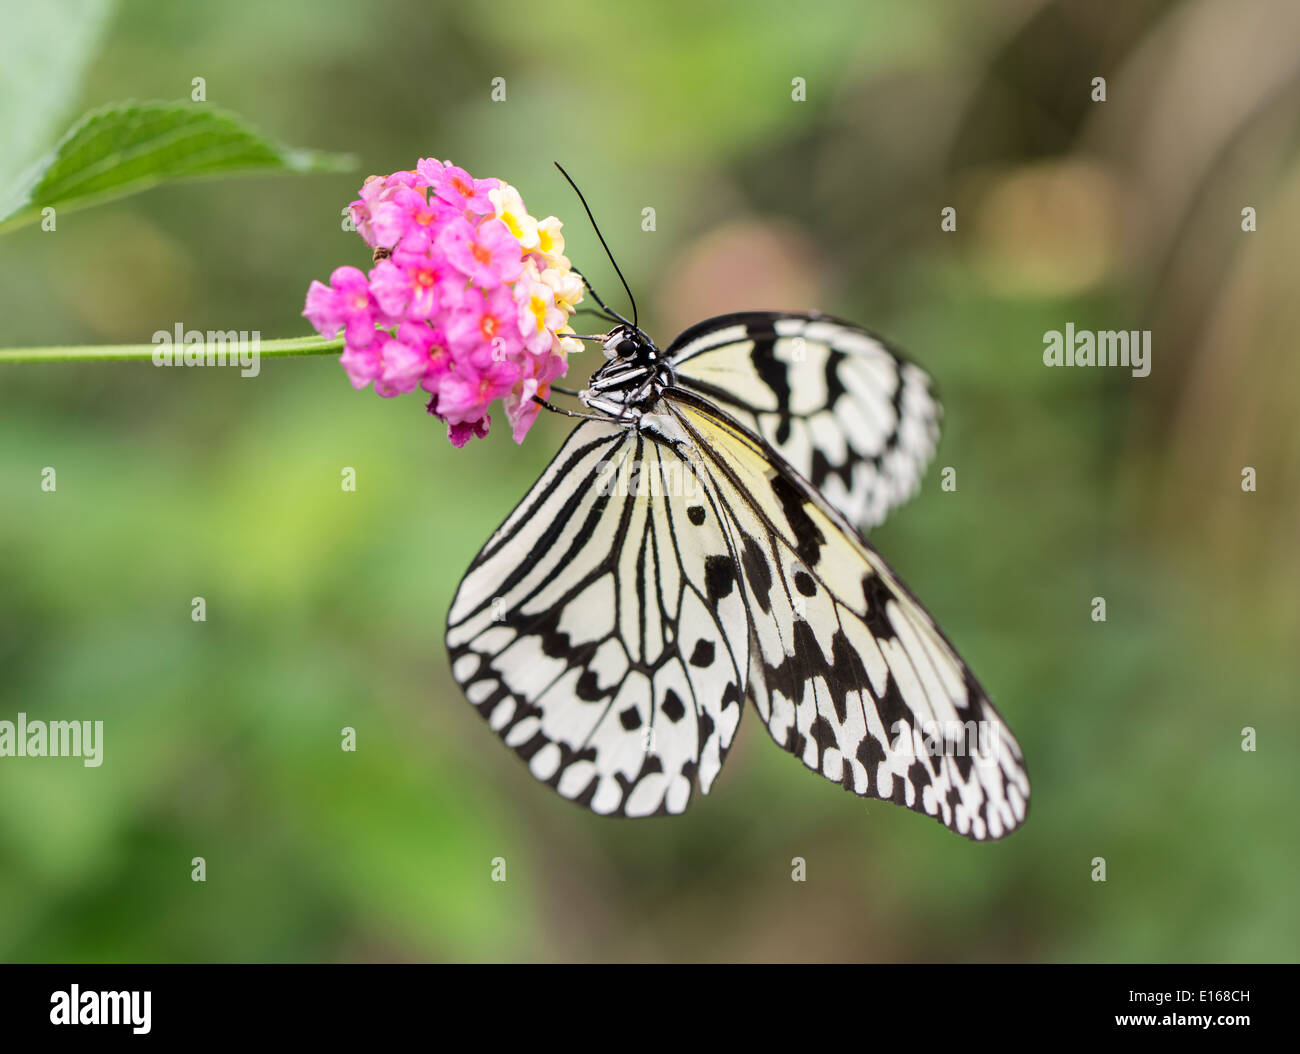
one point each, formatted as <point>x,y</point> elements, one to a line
<point>847,670</point>
<point>844,410</point>
<point>601,631</point>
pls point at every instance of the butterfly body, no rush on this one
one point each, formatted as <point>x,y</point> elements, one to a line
<point>693,545</point>
<point>633,379</point>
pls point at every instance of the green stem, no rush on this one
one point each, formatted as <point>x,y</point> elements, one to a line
<point>267,349</point>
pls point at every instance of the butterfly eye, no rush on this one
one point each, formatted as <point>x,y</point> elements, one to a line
<point>627,348</point>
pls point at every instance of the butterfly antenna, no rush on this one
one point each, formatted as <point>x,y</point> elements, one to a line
<point>626,288</point>
<point>610,314</point>
<point>603,316</point>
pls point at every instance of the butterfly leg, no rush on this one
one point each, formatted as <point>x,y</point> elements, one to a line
<point>567,413</point>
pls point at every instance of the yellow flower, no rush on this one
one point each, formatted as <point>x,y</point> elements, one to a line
<point>550,241</point>
<point>566,286</point>
<point>510,211</point>
<point>567,346</point>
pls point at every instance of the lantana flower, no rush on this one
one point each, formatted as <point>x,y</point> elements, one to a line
<point>510,210</point>
<point>345,304</point>
<point>488,255</point>
<point>540,317</point>
<point>469,298</point>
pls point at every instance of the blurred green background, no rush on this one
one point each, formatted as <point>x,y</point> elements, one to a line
<point>325,608</point>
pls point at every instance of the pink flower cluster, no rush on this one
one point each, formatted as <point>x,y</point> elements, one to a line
<point>469,298</point>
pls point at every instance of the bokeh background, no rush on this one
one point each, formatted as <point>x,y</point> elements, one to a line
<point>325,608</point>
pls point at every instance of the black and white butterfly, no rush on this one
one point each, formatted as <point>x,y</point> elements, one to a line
<point>694,545</point>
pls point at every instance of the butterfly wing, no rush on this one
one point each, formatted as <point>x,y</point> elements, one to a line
<point>847,670</point>
<point>844,410</point>
<point>600,630</point>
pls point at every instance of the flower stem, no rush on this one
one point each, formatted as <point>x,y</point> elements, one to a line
<point>267,349</point>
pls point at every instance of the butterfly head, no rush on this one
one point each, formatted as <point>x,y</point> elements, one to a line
<point>633,376</point>
<point>629,344</point>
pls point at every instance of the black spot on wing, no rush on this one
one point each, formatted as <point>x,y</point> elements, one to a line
<point>892,709</point>
<point>703,655</point>
<point>695,514</point>
<point>974,695</point>
<point>953,798</point>
<point>964,764</point>
<point>834,386</point>
<point>588,793</point>
<point>822,468</point>
<point>758,574</point>
<point>877,595</point>
<point>848,674</point>
<point>719,577</point>
<point>528,749</point>
<point>808,537</point>
<point>673,707</point>
<point>870,754</point>
<point>823,735</point>
<point>897,401</point>
<point>807,660</point>
<point>705,725</point>
<point>587,689</point>
<point>555,645</point>
<point>775,374</point>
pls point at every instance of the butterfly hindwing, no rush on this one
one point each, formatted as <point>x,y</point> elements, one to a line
<point>842,408</point>
<point>601,632</point>
<point>847,670</point>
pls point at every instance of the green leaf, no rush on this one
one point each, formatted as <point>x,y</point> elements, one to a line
<point>43,58</point>
<point>128,147</point>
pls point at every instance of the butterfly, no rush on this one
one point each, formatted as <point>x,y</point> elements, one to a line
<point>694,546</point>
